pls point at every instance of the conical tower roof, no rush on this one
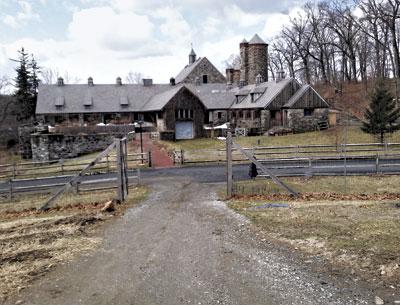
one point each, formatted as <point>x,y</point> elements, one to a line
<point>192,53</point>
<point>244,40</point>
<point>256,40</point>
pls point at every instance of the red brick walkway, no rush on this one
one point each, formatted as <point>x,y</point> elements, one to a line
<point>160,157</point>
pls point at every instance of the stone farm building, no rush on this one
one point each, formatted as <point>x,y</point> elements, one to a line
<point>198,96</point>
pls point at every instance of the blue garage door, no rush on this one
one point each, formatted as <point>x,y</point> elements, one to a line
<point>184,130</point>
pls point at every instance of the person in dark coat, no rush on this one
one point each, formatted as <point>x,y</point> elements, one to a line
<point>253,171</point>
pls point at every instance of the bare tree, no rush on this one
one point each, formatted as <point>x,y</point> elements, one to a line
<point>233,62</point>
<point>50,75</point>
<point>134,77</point>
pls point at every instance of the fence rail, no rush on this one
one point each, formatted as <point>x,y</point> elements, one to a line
<point>290,151</point>
<point>68,166</point>
<point>83,186</point>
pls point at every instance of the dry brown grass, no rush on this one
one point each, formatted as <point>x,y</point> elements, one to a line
<point>31,242</point>
<point>363,236</point>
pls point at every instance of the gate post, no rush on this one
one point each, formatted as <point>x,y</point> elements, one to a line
<point>120,179</point>
<point>229,164</point>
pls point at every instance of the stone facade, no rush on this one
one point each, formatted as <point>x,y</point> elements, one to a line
<point>217,117</point>
<point>258,62</point>
<point>47,147</point>
<point>244,61</point>
<point>301,123</point>
<point>205,67</point>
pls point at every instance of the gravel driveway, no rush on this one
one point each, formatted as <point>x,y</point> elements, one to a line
<point>183,246</point>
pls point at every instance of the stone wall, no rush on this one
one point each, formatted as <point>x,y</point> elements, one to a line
<point>300,123</point>
<point>47,147</point>
<point>205,67</point>
<point>258,62</point>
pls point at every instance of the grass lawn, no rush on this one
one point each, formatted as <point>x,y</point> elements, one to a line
<point>331,136</point>
<point>333,184</point>
<point>361,235</point>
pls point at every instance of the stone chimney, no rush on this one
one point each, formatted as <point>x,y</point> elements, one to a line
<point>229,76</point>
<point>118,81</point>
<point>90,81</point>
<point>280,75</point>
<point>60,81</point>
<point>172,81</point>
<point>259,79</point>
<point>244,60</point>
<point>147,82</point>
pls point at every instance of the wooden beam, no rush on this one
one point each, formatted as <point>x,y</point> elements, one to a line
<point>77,178</point>
<point>229,182</point>
<point>265,170</point>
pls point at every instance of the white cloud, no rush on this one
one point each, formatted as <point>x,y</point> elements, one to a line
<point>275,22</point>
<point>103,27</point>
<point>25,15</point>
<point>236,15</point>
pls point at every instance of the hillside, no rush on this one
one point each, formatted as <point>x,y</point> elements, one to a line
<point>354,97</point>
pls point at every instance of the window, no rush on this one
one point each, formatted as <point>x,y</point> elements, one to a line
<point>248,115</point>
<point>183,114</point>
<point>233,114</point>
<point>256,114</point>
<point>308,112</point>
<point>205,79</point>
<point>273,114</point>
<point>220,115</point>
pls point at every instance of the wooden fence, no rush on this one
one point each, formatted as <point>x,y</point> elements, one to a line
<point>65,167</point>
<point>265,153</point>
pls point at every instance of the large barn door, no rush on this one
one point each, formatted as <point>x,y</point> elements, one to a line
<point>184,130</point>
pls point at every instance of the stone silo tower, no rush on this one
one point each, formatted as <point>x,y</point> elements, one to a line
<point>244,61</point>
<point>257,59</point>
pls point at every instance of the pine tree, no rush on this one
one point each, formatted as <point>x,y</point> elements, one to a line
<point>26,83</point>
<point>382,115</point>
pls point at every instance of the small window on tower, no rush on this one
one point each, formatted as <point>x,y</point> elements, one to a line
<point>205,79</point>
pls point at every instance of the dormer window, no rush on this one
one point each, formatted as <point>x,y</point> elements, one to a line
<point>124,102</point>
<point>60,102</point>
<point>88,102</point>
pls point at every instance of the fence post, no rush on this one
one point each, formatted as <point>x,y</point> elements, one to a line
<point>150,159</point>
<point>119,171</point>
<point>11,189</point>
<point>62,166</point>
<point>182,156</point>
<point>377,164</point>
<point>138,175</point>
<point>229,164</point>
<point>14,170</point>
<point>108,164</point>
<point>77,187</point>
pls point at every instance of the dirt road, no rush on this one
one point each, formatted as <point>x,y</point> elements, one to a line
<point>183,246</point>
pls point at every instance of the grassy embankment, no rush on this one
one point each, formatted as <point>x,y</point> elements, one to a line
<point>358,230</point>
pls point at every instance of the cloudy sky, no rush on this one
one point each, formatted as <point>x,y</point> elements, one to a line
<point>106,39</point>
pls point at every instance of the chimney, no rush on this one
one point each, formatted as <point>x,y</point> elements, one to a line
<point>119,81</point>
<point>90,81</point>
<point>60,81</point>
<point>259,79</point>
<point>172,81</point>
<point>280,75</point>
<point>229,75</point>
<point>147,82</point>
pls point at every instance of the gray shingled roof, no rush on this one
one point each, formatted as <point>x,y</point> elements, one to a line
<point>105,98</point>
<point>187,70</point>
<point>213,96</point>
<point>256,40</point>
<point>159,101</point>
<point>271,90</point>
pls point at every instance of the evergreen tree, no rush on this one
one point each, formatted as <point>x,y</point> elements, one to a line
<point>382,115</point>
<point>26,84</point>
